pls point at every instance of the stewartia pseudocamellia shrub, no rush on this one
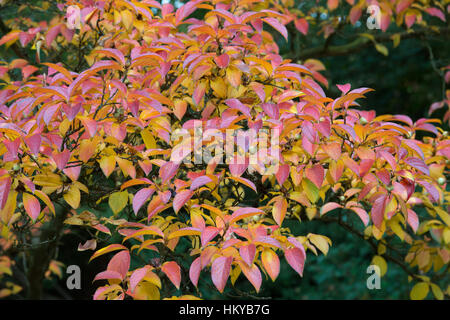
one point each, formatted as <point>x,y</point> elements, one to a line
<point>203,142</point>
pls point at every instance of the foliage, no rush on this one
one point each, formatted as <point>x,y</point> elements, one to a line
<point>93,122</point>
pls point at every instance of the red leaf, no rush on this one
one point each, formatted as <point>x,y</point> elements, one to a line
<point>173,272</point>
<point>181,198</point>
<point>220,271</point>
<point>302,25</point>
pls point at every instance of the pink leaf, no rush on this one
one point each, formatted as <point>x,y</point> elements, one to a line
<point>34,143</point>
<point>329,207</point>
<point>173,272</point>
<point>436,13</point>
<point>236,104</point>
<point>200,181</point>
<point>31,205</point>
<point>279,210</point>
<point>137,277</point>
<point>223,60</point>
<point>271,110</point>
<point>168,171</point>
<point>344,87</point>
<point>248,253</point>
<point>108,275</point>
<point>194,271</point>
<point>181,198</point>
<point>246,212</point>
<point>418,164</point>
<point>208,234</point>
<point>61,158</point>
<point>274,23</point>
<point>140,197</point>
<point>296,259</point>
<point>220,271</point>
<point>315,174</point>
<point>5,187</point>
<point>282,173</point>
<point>362,214</point>
<point>378,209</point>
<point>253,275</point>
<point>238,166</point>
<point>120,263</point>
<point>413,220</point>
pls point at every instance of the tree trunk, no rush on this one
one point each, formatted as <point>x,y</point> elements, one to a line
<point>41,254</point>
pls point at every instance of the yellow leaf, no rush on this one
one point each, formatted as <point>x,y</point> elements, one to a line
<point>381,49</point>
<point>184,232</point>
<point>127,18</point>
<point>396,39</point>
<point>381,263</point>
<point>118,200</point>
<point>146,291</point>
<point>73,197</point>
<point>419,291</point>
<point>437,292</point>
<point>107,164</point>
<point>320,242</point>
<point>148,138</point>
<point>219,87</point>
